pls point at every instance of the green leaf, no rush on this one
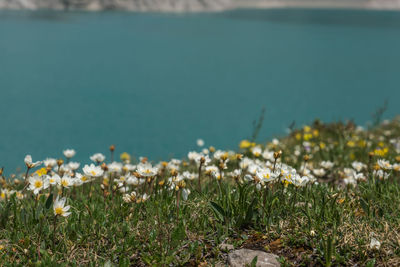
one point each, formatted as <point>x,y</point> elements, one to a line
<point>178,235</point>
<point>370,263</point>
<point>364,206</point>
<point>49,201</point>
<point>218,210</point>
<point>254,262</point>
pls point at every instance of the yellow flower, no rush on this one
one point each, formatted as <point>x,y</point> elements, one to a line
<point>298,136</point>
<point>41,171</point>
<point>316,133</point>
<point>322,145</point>
<point>307,136</point>
<point>362,143</point>
<point>381,152</point>
<point>125,157</point>
<point>307,129</point>
<point>245,144</point>
<point>351,143</point>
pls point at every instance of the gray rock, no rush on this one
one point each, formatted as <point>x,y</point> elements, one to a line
<point>226,247</point>
<point>243,257</point>
<point>131,5</point>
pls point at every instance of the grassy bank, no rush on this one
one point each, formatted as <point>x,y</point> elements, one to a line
<point>326,194</point>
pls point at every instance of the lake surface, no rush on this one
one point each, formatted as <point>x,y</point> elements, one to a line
<point>154,83</point>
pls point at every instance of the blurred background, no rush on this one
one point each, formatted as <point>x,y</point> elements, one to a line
<point>153,82</point>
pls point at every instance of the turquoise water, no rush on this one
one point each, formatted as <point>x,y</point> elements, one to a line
<point>153,83</point>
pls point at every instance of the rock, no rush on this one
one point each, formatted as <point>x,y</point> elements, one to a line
<point>243,257</point>
<point>131,5</point>
<point>226,247</point>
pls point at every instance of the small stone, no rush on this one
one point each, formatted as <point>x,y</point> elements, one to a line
<point>226,247</point>
<point>243,257</point>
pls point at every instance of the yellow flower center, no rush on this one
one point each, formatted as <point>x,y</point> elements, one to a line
<point>84,178</point>
<point>64,183</point>
<point>59,211</point>
<point>38,184</point>
<point>93,173</point>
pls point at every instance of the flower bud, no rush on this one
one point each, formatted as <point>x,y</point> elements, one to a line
<point>60,162</point>
<point>277,154</point>
<point>174,172</point>
<point>104,166</point>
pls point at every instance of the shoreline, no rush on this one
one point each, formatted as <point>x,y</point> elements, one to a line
<point>329,4</point>
<point>193,6</point>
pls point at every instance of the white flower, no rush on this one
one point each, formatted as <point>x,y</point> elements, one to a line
<point>37,183</point>
<point>265,175</point>
<point>384,164</point>
<point>129,167</point>
<point>50,162</point>
<point>66,181</point>
<point>300,181</point>
<point>236,173</point>
<point>98,157</point>
<point>146,170</point>
<point>381,174</point>
<point>396,167</point>
<point>256,151</point>
<point>319,172</point>
<point>128,198</point>
<point>132,180</point>
<point>350,180</point>
<point>29,163</point>
<point>205,158</point>
<point>200,142</point>
<point>212,168</point>
<point>245,162</point>
<point>253,168</point>
<point>5,193</point>
<point>327,164</point>
<point>115,167</point>
<point>76,181</point>
<point>54,180</point>
<point>185,193</point>
<point>358,166</point>
<point>83,178</point>
<point>93,171</point>
<point>217,175</point>
<point>189,175</point>
<point>193,155</point>
<point>268,155</point>
<point>69,153</point>
<point>288,174</point>
<point>59,207</point>
<point>374,244</point>
<point>74,165</point>
<point>219,154</point>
